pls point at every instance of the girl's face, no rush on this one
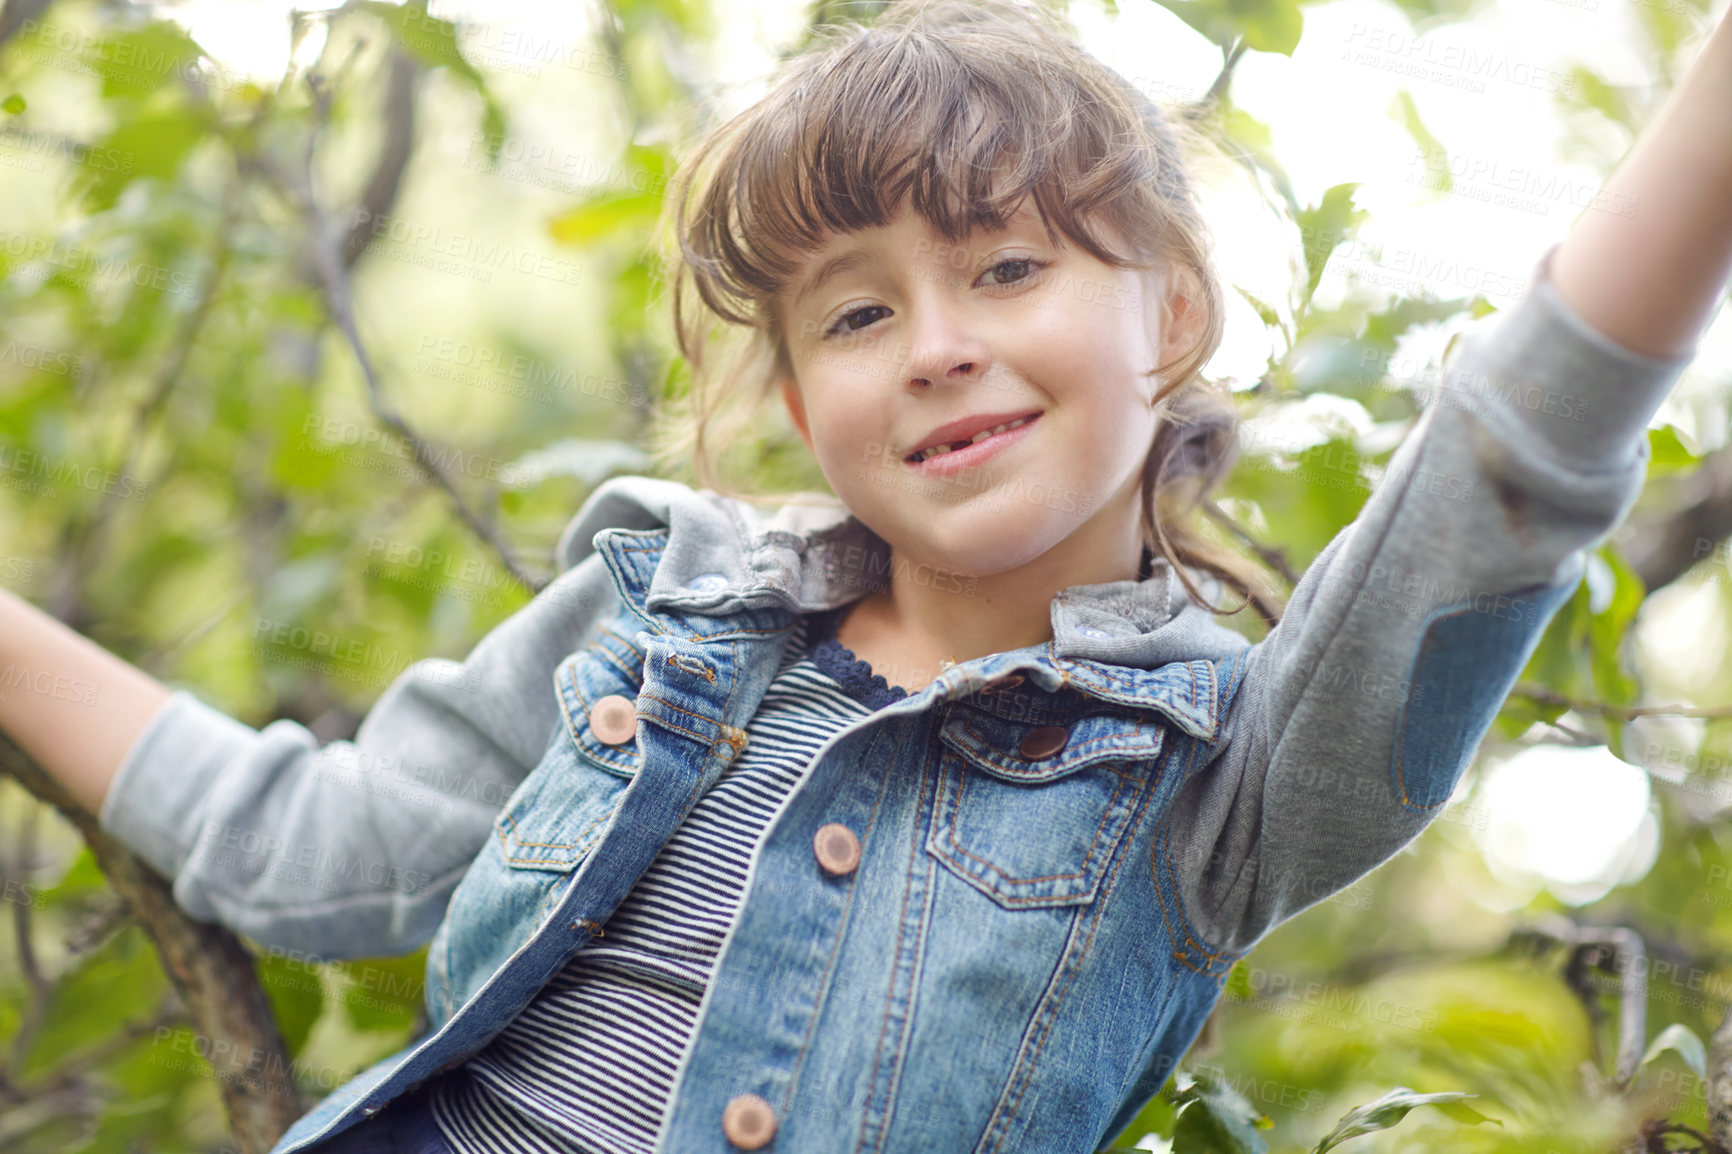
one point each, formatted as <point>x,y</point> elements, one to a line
<point>908,335</point>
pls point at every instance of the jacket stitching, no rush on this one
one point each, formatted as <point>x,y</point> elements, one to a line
<point>623,666</point>
<point>1162,840</point>
<point>890,994</point>
<point>550,844</point>
<point>1209,952</point>
<point>690,665</point>
<point>616,757</point>
<point>835,950</point>
<point>1074,968</point>
<point>956,809</point>
<point>983,749</point>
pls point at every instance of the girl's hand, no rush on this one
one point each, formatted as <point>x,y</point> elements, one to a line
<point>1651,278</point>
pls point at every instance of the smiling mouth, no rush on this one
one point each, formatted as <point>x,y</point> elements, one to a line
<point>940,450</point>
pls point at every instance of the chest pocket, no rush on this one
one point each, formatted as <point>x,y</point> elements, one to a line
<point>561,810</point>
<point>1032,814</point>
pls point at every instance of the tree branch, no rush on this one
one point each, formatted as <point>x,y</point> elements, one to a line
<point>211,971</point>
<point>15,14</point>
<point>1720,1082</point>
<point>387,179</point>
<point>1663,548</point>
<point>333,278</point>
<point>1546,696</point>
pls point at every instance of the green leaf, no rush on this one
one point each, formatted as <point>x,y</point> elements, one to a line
<point>1214,1118</point>
<point>1266,25</point>
<point>137,63</point>
<point>434,42</point>
<point>81,879</point>
<point>1608,629</point>
<point>1667,453</point>
<point>152,144</point>
<point>383,993</point>
<point>1432,152</point>
<point>589,461</point>
<point>626,214</point>
<point>1385,1112</point>
<point>119,981</point>
<point>1324,226</point>
<point>1682,1040</point>
<point>13,104</point>
<point>297,997</point>
<point>1264,313</point>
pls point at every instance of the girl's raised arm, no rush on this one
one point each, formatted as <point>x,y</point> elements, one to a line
<point>1651,278</point>
<point>1344,733</point>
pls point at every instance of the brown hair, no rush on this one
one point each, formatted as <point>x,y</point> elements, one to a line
<point>967,109</point>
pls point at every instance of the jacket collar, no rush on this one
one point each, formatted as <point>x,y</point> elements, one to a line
<point>678,550</point>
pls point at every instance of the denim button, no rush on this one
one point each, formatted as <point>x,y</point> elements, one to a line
<point>748,1122</point>
<point>1044,742</point>
<point>709,582</point>
<point>836,848</point>
<point>1091,631</point>
<point>613,719</point>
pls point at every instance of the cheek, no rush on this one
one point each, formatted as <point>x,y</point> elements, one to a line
<point>845,441</point>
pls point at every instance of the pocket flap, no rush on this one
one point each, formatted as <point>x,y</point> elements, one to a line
<point>611,667</point>
<point>995,744</point>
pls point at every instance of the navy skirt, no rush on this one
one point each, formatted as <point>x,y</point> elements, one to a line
<point>405,1126</point>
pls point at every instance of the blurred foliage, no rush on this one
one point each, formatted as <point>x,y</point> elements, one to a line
<point>194,465</point>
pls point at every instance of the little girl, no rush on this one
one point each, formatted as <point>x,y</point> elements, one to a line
<point>931,821</point>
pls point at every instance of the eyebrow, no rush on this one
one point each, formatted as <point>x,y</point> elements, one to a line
<point>830,268</point>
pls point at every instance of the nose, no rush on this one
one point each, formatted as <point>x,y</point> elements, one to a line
<point>944,346</point>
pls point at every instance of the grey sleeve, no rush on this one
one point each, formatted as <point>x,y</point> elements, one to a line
<point>1346,729</point>
<point>353,849</point>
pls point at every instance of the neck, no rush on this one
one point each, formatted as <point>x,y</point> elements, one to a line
<point>929,615</point>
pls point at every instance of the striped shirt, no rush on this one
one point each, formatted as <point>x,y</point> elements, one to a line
<point>588,1066</point>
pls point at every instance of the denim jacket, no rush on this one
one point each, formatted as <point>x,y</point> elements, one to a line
<point>1063,848</point>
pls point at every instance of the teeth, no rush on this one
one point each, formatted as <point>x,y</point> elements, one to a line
<point>940,450</point>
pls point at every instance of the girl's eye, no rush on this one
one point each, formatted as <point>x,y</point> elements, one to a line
<point>1032,265</point>
<point>1028,265</point>
<point>842,324</point>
